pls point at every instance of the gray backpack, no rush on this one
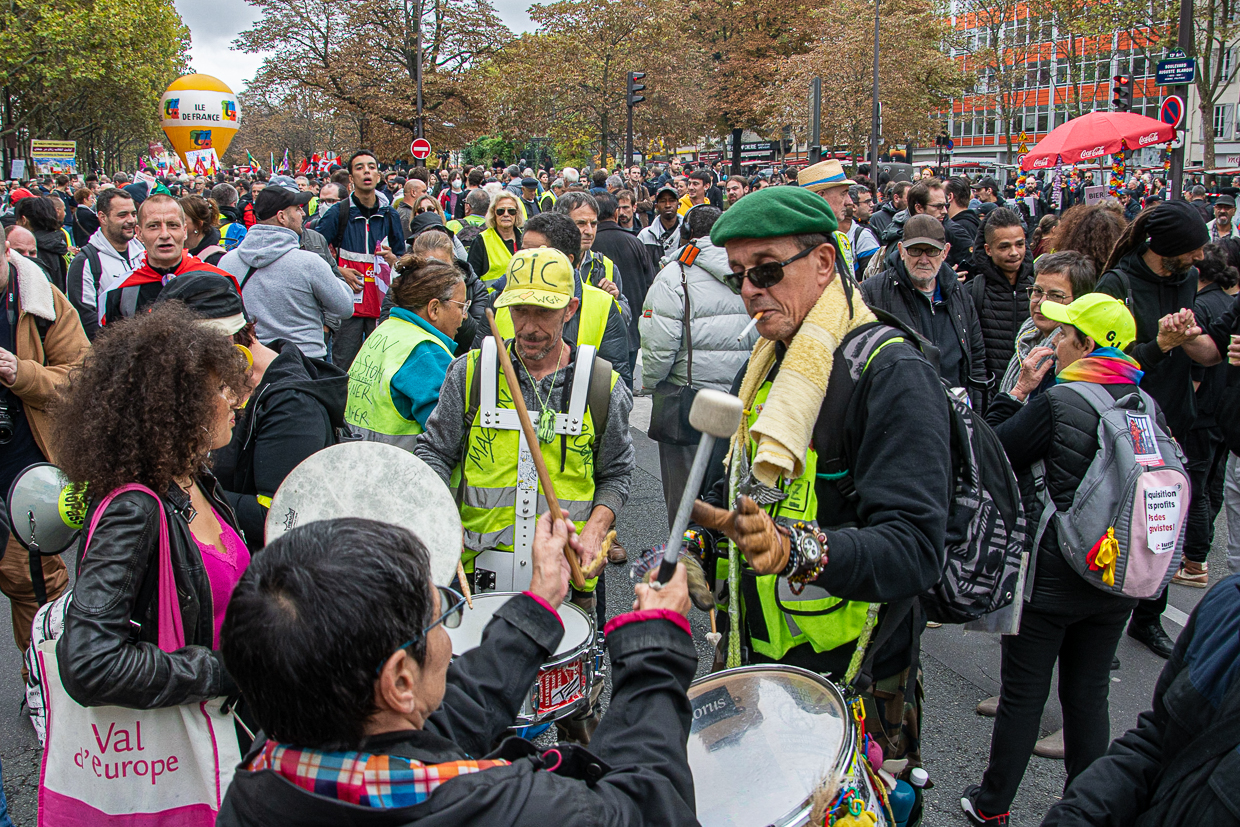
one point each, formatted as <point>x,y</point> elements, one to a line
<point>1124,532</point>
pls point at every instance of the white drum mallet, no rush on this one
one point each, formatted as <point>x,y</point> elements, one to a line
<point>716,415</point>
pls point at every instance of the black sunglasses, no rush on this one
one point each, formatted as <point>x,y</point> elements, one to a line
<point>765,275</point>
<point>506,211</point>
<point>450,618</point>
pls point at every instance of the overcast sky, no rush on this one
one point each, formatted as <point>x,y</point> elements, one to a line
<point>215,25</point>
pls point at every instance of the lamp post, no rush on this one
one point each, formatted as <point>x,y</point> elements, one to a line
<point>874,113</point>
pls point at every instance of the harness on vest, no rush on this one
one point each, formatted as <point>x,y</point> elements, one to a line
<point>499,497</point>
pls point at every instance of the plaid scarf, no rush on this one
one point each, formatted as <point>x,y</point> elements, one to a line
<point>362,778</point>
<point>1105,366</point>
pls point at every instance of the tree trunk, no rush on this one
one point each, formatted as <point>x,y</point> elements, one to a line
<point>736,151</point>
<point>1207,132</point>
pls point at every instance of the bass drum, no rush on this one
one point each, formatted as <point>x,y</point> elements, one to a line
<point>765,740</point>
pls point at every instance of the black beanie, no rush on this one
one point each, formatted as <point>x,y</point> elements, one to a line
<point>1176,228</point>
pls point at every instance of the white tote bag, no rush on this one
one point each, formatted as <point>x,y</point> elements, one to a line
<point>107,766</point>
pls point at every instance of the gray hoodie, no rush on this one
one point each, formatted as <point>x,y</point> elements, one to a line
<point>291,291</point>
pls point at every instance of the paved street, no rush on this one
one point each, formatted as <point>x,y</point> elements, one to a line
<point>960,669</point>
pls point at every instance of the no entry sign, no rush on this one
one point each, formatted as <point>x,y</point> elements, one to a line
<point>421,149</point>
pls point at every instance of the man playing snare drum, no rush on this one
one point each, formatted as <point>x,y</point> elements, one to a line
<point>841,490</point>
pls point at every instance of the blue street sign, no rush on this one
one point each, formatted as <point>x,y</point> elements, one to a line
<point>1176,71</point>
<point>951,144</point>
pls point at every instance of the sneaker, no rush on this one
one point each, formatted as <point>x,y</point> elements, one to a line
<point>1193,575</point>
<point>975,815</point>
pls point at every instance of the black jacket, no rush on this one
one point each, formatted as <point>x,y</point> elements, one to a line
<point>85,222</point>
<point>107,660</point>
<point>1168,376</point>
<point>635,773</point>
<point>1060,429</point>
<point>52,248</point>
<point>881,217</point>
<point>1180,764</point>
<point>293,413</point>
<point>1210,306</point>
<point>961,230</point>
<point>957,334</point>
<point>1002,308</point>
<point>886,542</point>
<point>632,259</point>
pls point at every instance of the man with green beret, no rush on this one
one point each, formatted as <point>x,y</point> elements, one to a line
<point>835,500</point>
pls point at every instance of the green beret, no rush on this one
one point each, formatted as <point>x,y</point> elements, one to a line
<point>773,212</point>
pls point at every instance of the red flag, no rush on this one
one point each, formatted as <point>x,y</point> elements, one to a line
<point>303,167</point>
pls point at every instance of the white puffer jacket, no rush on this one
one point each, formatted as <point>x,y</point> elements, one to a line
<point>717,318</point>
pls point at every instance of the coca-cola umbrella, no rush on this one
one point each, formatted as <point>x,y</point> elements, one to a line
<point>1094,135</point>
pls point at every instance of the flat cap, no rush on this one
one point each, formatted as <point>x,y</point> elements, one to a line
<point>774,212</point>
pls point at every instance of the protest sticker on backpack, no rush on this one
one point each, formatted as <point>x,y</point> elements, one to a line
<point>1144,439</point>
<point>1162,517</point>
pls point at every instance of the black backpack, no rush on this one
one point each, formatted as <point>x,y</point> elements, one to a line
<point>987,536</point>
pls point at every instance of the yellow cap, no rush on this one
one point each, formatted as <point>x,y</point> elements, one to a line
<point>542,277</point>
<point>1100,317</point>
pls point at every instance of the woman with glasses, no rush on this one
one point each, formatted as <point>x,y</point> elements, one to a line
<point>394,382</point>
<point>494,248</point>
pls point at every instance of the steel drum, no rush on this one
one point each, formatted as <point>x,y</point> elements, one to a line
<point>763,739</point>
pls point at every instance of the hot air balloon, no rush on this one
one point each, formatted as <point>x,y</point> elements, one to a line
<point>199,113</point>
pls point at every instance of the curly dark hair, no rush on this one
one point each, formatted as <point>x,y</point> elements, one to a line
<point>1090,230</point>
<point>139,407</point>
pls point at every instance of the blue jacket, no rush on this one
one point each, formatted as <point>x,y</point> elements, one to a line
<point>385,223</point>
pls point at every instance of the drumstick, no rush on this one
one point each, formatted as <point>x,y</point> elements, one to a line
<point>527,426</point>
<point>460,573</point>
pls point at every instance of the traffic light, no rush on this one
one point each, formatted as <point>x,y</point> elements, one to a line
<point>634,88</point>
<point>1121,93</point>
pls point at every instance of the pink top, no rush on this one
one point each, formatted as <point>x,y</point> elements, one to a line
<point>224,570</point>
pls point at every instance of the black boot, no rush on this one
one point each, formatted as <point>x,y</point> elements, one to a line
<point>1152,635</point>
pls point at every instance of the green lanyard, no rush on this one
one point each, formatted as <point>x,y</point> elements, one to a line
<point>546,416</point>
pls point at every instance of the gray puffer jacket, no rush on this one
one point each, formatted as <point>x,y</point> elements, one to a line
<point>717,316</point>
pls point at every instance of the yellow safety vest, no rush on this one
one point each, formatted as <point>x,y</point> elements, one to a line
<point>596,303</point>
<point>456,226</point>
<point>498,254</point>
<point>370,409</point>
<point>500,496</point>
<point>813,617</point>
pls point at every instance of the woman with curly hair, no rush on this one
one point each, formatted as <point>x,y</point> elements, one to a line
<point>1089,230</point>
<point>155,396</point>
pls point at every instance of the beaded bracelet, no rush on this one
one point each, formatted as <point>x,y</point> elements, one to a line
<point>807,553</point>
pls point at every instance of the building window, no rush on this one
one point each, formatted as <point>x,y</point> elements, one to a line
<point>1222,120</point>
<point>1044,121</point>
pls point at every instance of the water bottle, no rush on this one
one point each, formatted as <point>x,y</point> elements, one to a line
<point>919,778</point>
<point>902,799</point>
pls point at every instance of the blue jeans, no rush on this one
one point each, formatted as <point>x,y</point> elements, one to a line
<point>5,821</point>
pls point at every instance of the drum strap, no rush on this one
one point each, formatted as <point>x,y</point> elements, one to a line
<point>891,621</point>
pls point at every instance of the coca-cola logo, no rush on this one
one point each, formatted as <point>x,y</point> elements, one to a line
<point>1094,153</point>
<point>1147,139</point>
<point>1041,162</point>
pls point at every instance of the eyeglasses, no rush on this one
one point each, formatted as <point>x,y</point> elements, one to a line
<point>450,618</point>
<point>506,211</point>
<point>464,309</point>
<point>941,206</point>
<point>1057,296</point>
<point>764,275</point>
<point>329,200</point>
<point>918,252</point>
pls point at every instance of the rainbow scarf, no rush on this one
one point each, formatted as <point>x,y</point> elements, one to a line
<point>1105,366</point>
<point>369,780</point>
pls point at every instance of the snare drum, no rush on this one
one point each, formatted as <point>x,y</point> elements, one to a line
<point>762,741</point>
<point>564,681</point>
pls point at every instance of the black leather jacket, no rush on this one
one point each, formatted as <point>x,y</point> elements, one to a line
<point>109,651</point>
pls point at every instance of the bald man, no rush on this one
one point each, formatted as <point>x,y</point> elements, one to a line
<point>22,241</point>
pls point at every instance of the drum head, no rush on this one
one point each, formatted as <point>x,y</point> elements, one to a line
<point>374,481</point>
<point>577,627</point>
<point>767,735</point>
<point>45,512</point>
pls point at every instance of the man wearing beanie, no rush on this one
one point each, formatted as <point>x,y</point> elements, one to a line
<point>838,524</point>
<point>1151,270</point>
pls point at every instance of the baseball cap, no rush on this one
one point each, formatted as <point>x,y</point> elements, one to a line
<point>1225,201</point>
<point>986,182</point>
<point>284,181</point>
<point>1100,317</point>
<point>211,296</point>
<point>924,229</point>
<point>276,197</point>
<point>669,190</point>
<point>541,276</point>
<point>18,193</point>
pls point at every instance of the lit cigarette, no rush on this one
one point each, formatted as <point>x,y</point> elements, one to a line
<point>752,324</point>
